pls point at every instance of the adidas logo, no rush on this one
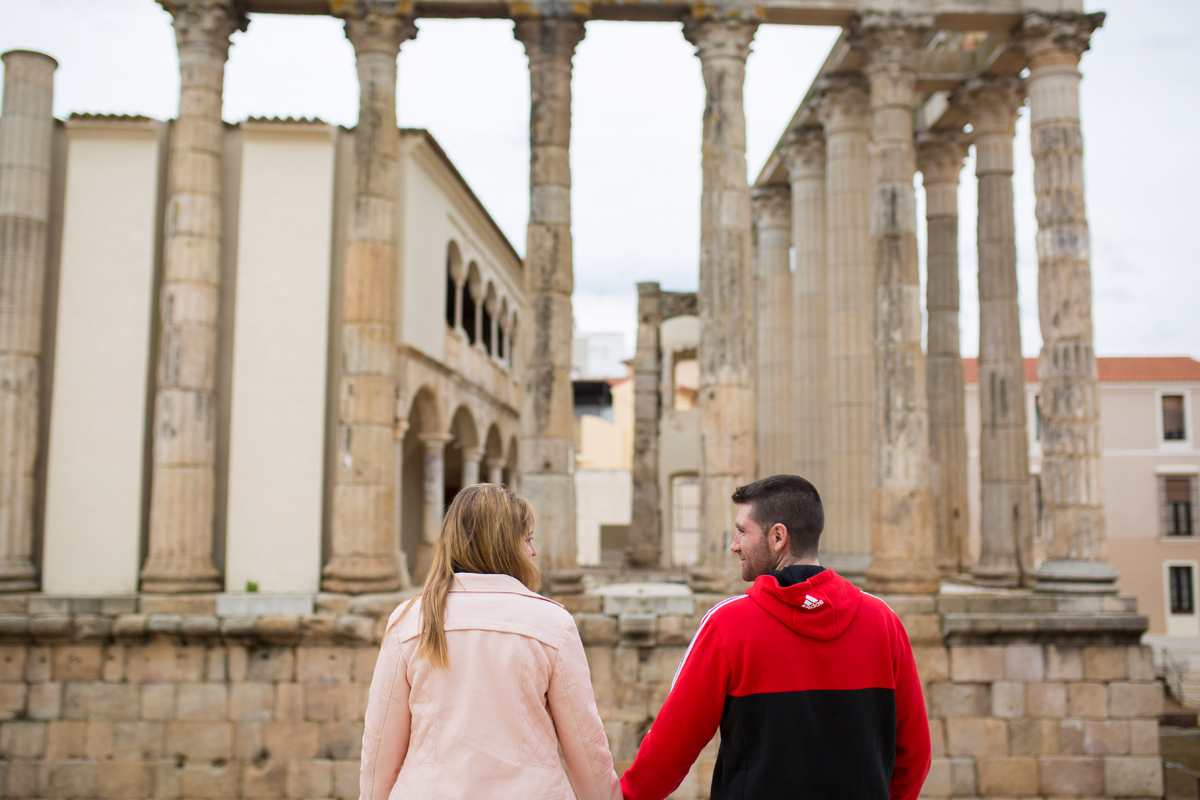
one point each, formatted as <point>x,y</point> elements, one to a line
<point>811,602</point>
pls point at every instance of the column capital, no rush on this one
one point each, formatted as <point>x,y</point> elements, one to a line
<point>992,103</point>
<point>434,440</point>
<point>889,38</point>
<point>842,102</point>
<point>804,152</point>
<point>473,455</point>
<point>205,22</point>
<point>720,37</point>
<point>940,155</point>
<point>1056,39</point>
<point>553,38</point>
<point>376,26</point>
<point>771,207</point>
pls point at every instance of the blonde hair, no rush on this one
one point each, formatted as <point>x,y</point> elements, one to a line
<point>483,532</point>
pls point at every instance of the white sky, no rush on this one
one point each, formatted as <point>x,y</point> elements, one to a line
<point>638,100</point>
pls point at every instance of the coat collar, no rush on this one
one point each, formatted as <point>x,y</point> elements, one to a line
<point>493,583</point>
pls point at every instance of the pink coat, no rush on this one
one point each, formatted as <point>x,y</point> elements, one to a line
<point>487,727</point>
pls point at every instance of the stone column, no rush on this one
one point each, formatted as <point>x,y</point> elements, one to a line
<point>772,210</point>
<point>726,300</point>
<point>645,531</point>
<point>363,548</point>
<point>470,469</point>
<point>1072,482</point>
<point>940,157</point>
<point>495,470</point>
<point>1006,555</point>
<point>547,451</point>
<point>494,349</point>
<point>182,483</point>
<point>902,520</point>
<point>476,290</point>
<point>434,499</point>
<point>458,304</point>
<point>846,543</point>
<point>26,136</point>
<point>809,402</point>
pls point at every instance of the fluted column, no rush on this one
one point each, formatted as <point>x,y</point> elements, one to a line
<point>1006,523</point>
<point>433,495</point>
<point>805,155</point>
<point>1072,486</point>
<point>547,451</point>
<point>726,299</point>
<point>902,522</point>
<point>182,484</point>
<point>772,209</point>
<point>26,134</point>
<point>472,456</point>
<point>363,541</point>
<point>846,543</point>
<point>645,530</point>
<point>940,157</point>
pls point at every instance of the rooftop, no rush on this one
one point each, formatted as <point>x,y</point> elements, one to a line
<point>1122,369</point>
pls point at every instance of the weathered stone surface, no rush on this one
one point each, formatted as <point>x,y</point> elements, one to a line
<point>1008,777</point>
<point>1063,776</point>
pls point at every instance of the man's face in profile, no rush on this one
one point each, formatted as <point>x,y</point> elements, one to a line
<point>750,544</point>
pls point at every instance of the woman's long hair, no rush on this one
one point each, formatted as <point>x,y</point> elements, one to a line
<point>483,531</point>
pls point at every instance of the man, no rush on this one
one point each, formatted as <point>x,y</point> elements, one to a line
<point>811,680</point>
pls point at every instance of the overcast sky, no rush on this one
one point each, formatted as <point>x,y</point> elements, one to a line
<point>635,152</point>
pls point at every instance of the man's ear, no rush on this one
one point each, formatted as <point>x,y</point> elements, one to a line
<point>778,537</point>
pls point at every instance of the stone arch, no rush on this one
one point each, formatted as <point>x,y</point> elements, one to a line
<point>423,415</point>
<point>493,455</point>
<point>454,279</point>
<point>462,455</point>
<point>489,317</point>
<point>472,296</point>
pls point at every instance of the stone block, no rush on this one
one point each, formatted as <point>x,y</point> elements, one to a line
<point>937,737</point>
<point>596,629</point>
<point>937,782</point>
<point>1024,662</point>
<point>976,737</point>
<point>1064,663</point>
<point>251,702</point>
<point>1050,736</point>
<point>1106,663</point>
<point>341,739</point>
<point>962,777</point>
<point>1140,663</point>
<point>313,778</point>
<point>1070,740</point>
<point>236,663</point>
<point>201,741</point>
<point>22,740</point>
<point>44,701</point>
<point>289,702</point>
<point>325,702</point>
<point>248,741</point>
<point>12,664</point>
<point>111,701</point>
<point>12,700</point>
<point>364,663</point>
<point>922,629</point>
<point>1008,700</point>
<point>82,663</point>
<point>200,702</point>
<point>70,779</point>
<point>1087,700</point>
<point>113,668</point>
<point>1143,737</point>
<point>216,779</point>
<point>1133,776</point>
<point>100,736</point>
<point>125,779</point>
<point>164,663</point>
<point>168,778</point>
<point>933,663</point>
<point>270,664</point>
<point>1007,777</point>
<point>138,741</point>
<point>265,779</point>
<point>215,666</point>
<point>323,664</point>
<point>65,740</point>
<point>977,664</point>
<point>675,630</point>
<point>191,604</point>
<point>1046,699</point>
<point>345,779</point>
<point>1067,776</point>
<point>22,779</point>
<point>1024,737</point>
<point>284,740</point>
<point>1135,699</point>
<point>1106,737</point>
<point>952,700</point>
<point>39,665</point>
<point>157,701</point>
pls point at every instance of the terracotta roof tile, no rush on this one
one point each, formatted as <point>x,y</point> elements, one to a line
<point>1138,369</point>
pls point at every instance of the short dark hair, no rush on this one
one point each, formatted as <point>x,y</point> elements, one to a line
<point>788,500</point>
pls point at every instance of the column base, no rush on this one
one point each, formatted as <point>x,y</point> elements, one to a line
<point>360,575</point>
<point>901,578</point>
<point>179,576</point>
<point>1001,576</point>
<point>1070,576</point>
<point>18,576</point>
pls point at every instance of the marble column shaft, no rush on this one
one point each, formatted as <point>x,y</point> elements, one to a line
<point>182,486</point>
<point>805,153</point>
<point>472,456</point>
<point>547,453</point>
<point>363,557</point>
<point>725,298</point>
<point>940,158</point>
<point>1006,521</point>
<point>1072,484</point>
<point>902,521</point>
<point>26,138</point>
<point>845,115</point>
<point>774,392</point>
<point>645,531</point>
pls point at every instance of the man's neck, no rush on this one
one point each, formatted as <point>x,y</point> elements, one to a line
<point>792,561</point>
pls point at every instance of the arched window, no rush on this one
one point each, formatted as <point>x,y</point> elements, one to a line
<point>468,312</point>
<point>454,277</point>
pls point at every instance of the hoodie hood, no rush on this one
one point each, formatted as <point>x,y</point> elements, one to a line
<point>821,607</point>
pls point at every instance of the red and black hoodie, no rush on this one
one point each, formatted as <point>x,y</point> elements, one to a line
<point>813,685</point>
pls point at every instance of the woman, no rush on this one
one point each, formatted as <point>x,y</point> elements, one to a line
<point>480,679</point>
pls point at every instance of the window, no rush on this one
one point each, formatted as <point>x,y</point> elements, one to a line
<point>1183,599</point>
<point>1179,505</point>
<point>486,333</point>
<point>685,519</point>
<point>468,312</point>
<point>1172,418</point>
<point>451,297</point>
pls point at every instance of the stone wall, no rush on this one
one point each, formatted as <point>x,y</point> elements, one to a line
<point>1029,696</point>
